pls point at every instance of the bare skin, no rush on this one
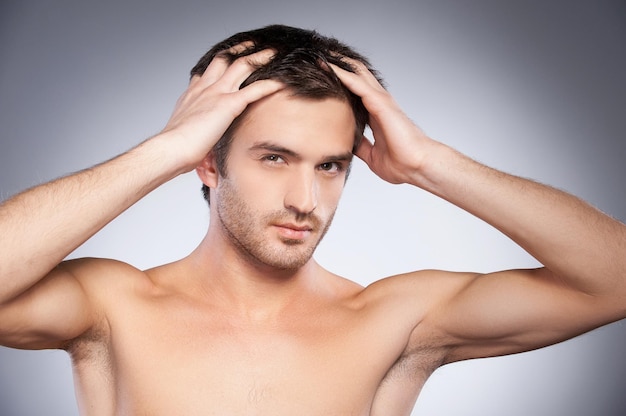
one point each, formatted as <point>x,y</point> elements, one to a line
<point>231,329</point>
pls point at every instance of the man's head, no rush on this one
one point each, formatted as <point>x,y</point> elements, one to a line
<point>287,167</point>
<point>300,62</point>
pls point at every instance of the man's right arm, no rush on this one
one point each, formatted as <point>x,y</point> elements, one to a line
<point>41,226</point>
<point>42,302</point>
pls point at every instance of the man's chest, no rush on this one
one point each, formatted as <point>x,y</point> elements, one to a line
<point>180,360</point>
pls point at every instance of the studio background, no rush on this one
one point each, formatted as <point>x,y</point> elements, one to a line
<point>535,88</point>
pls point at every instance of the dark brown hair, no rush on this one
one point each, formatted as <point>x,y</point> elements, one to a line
<point>300,62</point>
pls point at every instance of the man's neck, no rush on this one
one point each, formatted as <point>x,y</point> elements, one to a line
<point>246,285</point>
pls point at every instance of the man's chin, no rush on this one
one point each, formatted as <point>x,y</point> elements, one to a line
<point>292,241</point>
<point>290,258</point>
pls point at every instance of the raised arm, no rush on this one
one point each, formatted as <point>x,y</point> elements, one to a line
<point>583,284</point>
<point>42,304</point>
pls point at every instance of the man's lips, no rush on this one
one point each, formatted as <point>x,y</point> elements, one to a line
<point>294,231</point>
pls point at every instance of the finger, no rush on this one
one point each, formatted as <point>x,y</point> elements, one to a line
<point>258,90</point>
<point>352,81</point>
<point>215,70</point>
<point>223,60</point>
<point>241,69</point>
<point>361,70</point>
<point>196,79</point>
<point>240,48</point>
<point>375,98</point>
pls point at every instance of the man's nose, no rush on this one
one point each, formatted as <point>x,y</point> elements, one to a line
<point>301,197</point>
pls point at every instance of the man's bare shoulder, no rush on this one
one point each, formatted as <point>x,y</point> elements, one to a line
<point>104,280</point>
<point>426,287</point>
<point>70,304</point>
<point>108,286</point>
<point>415,300</point>
<point>92,270</point>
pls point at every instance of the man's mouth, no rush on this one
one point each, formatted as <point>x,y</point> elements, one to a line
<point>294,231</point>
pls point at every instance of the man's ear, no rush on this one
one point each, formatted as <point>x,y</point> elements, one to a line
<point>207,170</point>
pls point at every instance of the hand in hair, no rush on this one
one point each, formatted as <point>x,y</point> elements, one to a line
<point>399,147</point>
<point>213,100</point>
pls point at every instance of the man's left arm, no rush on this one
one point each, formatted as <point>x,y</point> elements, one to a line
<point>583,284</point>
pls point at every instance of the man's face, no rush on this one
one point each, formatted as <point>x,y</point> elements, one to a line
<point>286,170</point>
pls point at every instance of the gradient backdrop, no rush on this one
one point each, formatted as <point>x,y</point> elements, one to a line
<point>536,88</point>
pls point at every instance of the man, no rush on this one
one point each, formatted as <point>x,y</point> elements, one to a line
<point>249,323</point>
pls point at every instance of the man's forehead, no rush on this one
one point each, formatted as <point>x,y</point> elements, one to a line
<point>288,97</point>
<point>284,116</point>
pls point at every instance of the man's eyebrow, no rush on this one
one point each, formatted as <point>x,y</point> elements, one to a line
<point>343,157</point>
<point>274,148</point>
<point>271,147</point>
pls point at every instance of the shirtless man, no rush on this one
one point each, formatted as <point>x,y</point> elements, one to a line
<point>249,323</point>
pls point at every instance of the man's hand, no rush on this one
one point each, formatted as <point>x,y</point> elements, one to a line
<point>212,101</point>
<point>399,148</point>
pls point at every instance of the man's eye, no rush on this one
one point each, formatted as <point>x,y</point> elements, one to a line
<point>331,167</point>
<point>273,158</point>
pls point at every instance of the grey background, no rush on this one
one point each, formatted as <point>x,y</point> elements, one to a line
<point>536,88</point>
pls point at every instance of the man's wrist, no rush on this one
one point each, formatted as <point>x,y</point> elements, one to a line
<point>167,151</point>
<point>435,163</point>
